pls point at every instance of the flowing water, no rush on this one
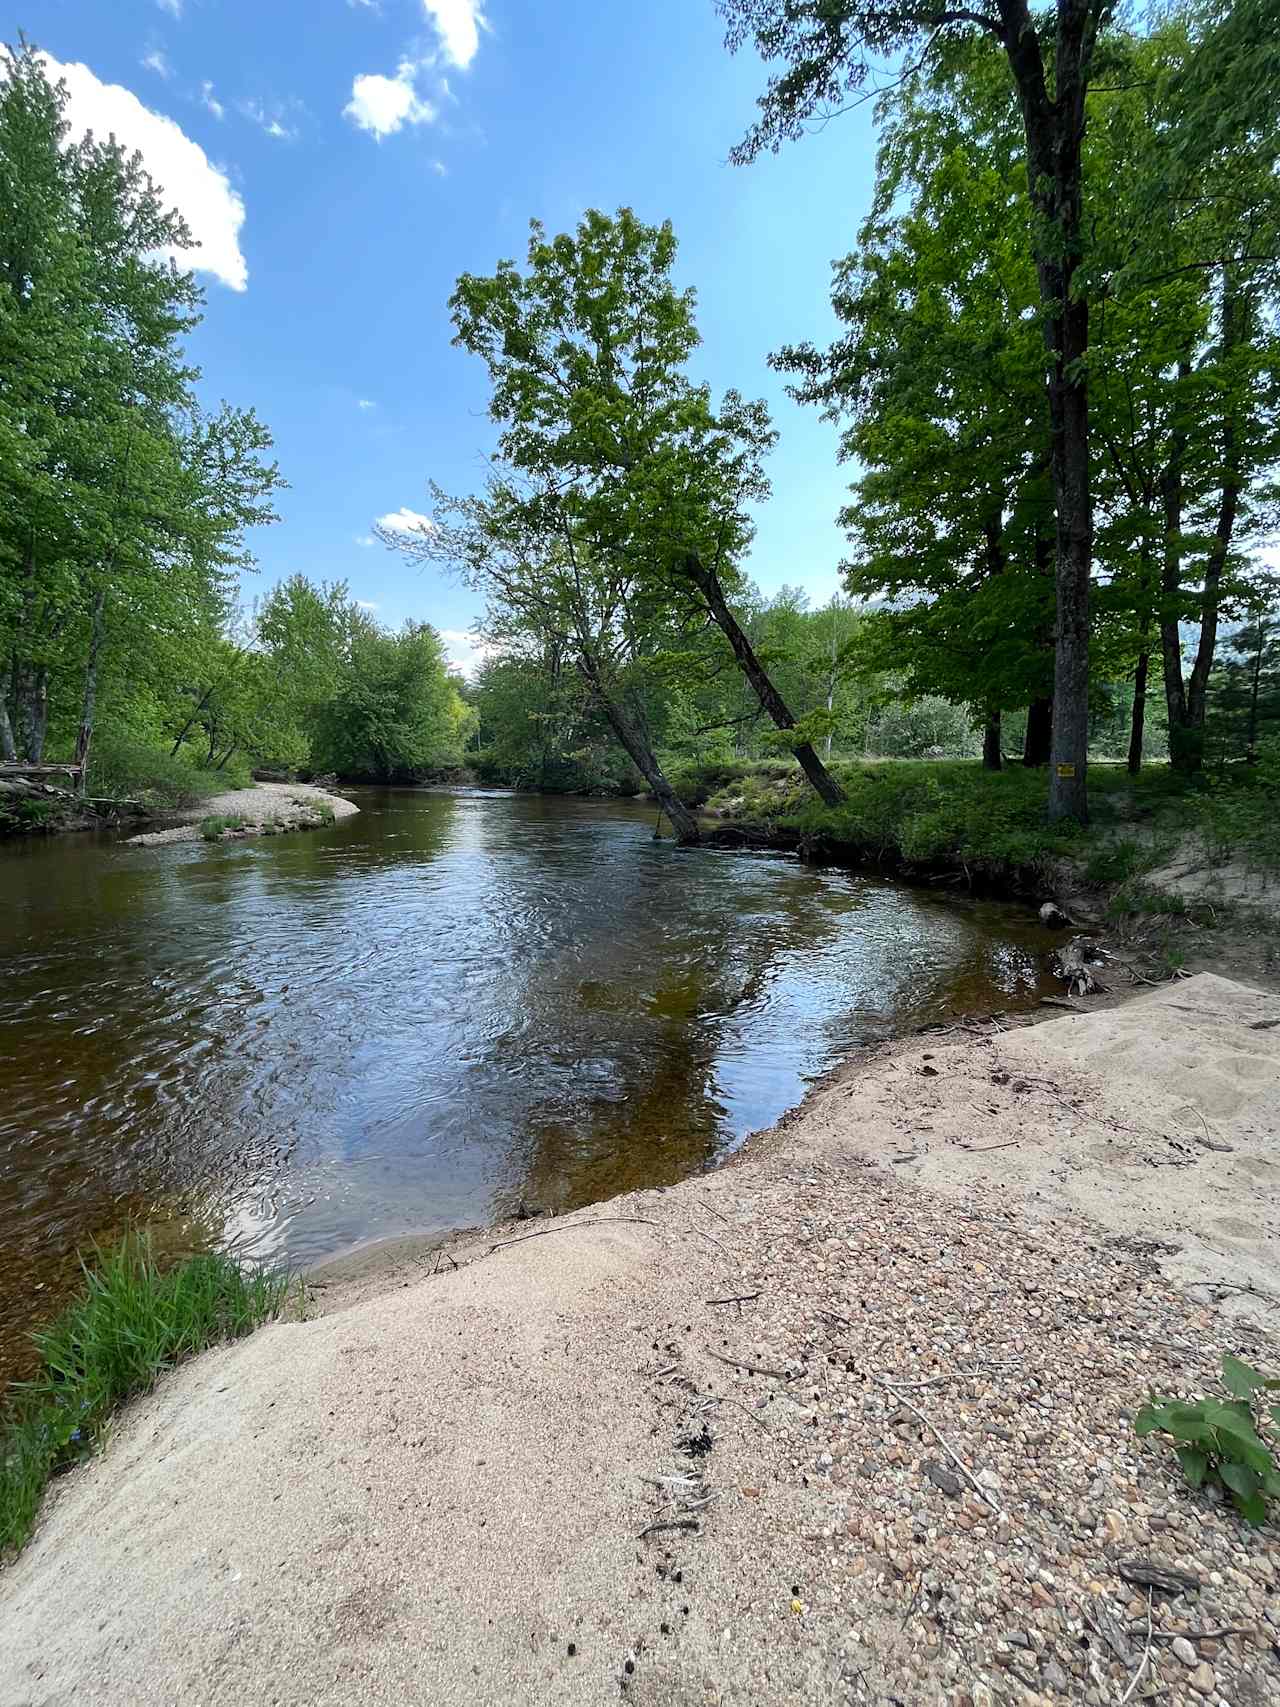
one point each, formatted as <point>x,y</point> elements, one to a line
<point>425,1016</point>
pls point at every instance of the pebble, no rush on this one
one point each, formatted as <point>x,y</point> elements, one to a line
<point>1203,1679</point>
<point>1185,1652</point>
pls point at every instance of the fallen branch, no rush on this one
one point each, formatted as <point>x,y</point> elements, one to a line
<point>673,1523</point>
<point>751,1368</point>
<point>734,1298</point>
<point>977,1149</point>
<point>570,1227</point>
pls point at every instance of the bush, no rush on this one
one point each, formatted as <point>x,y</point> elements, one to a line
<point>1218,1439</point>
<point>121,767</point>
<point>133,1321</point>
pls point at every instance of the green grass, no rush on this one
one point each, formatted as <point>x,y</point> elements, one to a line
<point>133,1320</point>
<point>930,816</point>
<point>214,828</point>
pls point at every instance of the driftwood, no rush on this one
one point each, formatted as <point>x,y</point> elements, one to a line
<point>1071,963</point>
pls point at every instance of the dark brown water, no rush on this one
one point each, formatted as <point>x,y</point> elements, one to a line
<point>425,1015</point>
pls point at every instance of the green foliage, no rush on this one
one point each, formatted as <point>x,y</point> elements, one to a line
<point>396,711</point>
<point>125,767</point>
<point>217,825</point>
<point>1218,1440</point>
<point>135,1319</point>
<point>1237,811</point>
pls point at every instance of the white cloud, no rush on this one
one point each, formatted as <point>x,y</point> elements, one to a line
<point>384,105</point>
<point>465,650</point>
<point>367,604</point>
<point>172,7</point>
<point>269,122</point>
<point>209,99</point>
<point>406,521</point>
<point>439,168</point>
<point>156,61</point>
<point>364,5</point>
<point>365,539</point>
<point>186,176</point>
<point>458,24</point>
<point>365,403</point>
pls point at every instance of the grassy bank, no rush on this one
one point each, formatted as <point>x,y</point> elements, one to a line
<point>134,1319</point>
<point>927,817</point>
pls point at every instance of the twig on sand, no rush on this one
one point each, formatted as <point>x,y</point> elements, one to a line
<point>711,1241</point>
<point>747,1411</point>
<point>734,1298</point>
<point>569,1227</point>
<point>977,1149</point>
<point>944,1443</point>
<point>751,1368</point>
<point>673,1523</point>
<point>1144,1662</point>
<point>1231,1286</point>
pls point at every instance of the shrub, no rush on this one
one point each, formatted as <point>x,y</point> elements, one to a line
<point>121,767</point>
<point>132,1321</point>
<point>1218,1439</point>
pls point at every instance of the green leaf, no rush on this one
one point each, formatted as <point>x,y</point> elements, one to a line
<point>1240,1378</point>
<point>1252,1507</point>
<point>1240,1479</point>
<point>1194,1465</point>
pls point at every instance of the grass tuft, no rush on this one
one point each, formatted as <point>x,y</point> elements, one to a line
<point>214,828</point>
<point>133,1320</point>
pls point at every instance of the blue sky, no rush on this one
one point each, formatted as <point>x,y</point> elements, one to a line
<point>343,161</point>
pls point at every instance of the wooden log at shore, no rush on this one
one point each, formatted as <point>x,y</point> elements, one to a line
<point>1071,963</point>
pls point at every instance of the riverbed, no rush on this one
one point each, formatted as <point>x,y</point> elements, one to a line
<point>432,1014</point>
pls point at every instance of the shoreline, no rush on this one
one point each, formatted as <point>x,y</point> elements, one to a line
<point>821,1425</point>
<point>268,808</point>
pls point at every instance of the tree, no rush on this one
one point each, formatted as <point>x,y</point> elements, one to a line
<point>396,711</point>
<point>122,503</point>
<point>587,351</point>
<point>829,49</point>
<point>549,584</point>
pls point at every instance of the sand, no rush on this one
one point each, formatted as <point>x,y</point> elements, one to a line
<point>284,805</point>
<point>887,1402</point>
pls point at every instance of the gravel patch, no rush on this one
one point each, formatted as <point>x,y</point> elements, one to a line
<point>266,807</point>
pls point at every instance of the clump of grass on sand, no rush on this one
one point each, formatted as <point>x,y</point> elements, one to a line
<point>133,1320</point>
<point>214,828</point>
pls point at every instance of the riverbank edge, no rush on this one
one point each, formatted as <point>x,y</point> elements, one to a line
<point>266,809</point>
<point>436,1447</point>
<point>376,1265</point>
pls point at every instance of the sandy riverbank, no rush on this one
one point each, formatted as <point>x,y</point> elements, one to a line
<point>278,805</point>
<point>440,1487</point>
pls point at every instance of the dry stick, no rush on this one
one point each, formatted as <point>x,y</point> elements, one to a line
<point>946,1446</point>
<point>1145,1660</point>
<point>569,1227</point>
<point>751,1368</point>
<point>735,1298</point>
<point>709,1240</point>
<point>977,1149</point>
<point>747,1411</point>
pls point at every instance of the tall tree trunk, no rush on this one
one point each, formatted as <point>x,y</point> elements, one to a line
<point>1235,329</point>
<point>708,584</point>
<point>1138,722</point>
<point>1251,743</point>
<point>37,712</point>
<point>1171,494</point>
<point>7,748</point>
<point>1054,131</point>
<point>992,759</point>
<point>1038,741</point>
<point>88,709</point>
<point>634,741</point>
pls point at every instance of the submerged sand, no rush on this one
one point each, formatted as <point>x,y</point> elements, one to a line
<point>877,1409</point>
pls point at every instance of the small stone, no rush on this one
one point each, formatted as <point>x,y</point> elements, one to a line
<point>1056,1679</point>
<point>942,1478</point>
<point>1185,1652</point>
<point>1203,1680</point>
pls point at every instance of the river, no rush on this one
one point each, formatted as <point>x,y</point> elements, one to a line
<point>424,1017</point>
